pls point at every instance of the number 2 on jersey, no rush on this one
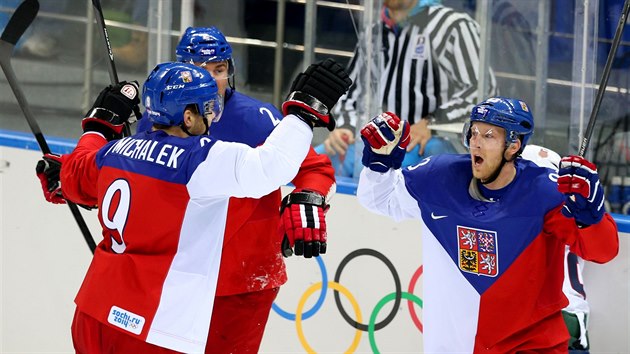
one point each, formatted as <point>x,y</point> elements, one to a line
<point>115,211</point>
<point>275,121</point>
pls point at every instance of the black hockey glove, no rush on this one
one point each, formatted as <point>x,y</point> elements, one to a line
<point>315,91</point>
<point>303,224</point>
<point>47,170</point>
<point>112,110</point>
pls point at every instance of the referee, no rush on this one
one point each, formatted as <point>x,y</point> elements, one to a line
<point>429,73</point>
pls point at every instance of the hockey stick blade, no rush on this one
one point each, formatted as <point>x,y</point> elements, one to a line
<point>19,22</point>
<point>17,25</point>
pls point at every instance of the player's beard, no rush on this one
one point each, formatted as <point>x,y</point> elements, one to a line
<point>485,165</point>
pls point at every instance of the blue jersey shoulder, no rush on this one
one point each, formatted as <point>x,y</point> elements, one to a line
<point>538,184</point>
<point>444,179</point>
<point>245,120</point>
<point>144,124</point>
<point>439,174</point>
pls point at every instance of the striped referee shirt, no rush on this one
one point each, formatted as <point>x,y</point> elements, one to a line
<point>430,69</point>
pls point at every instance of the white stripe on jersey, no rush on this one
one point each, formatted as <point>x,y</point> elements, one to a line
<point>442,334</point>
<point>184,308</point>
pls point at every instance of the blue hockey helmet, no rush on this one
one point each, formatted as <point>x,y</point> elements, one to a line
<point>204,44</point>
<point>511,114</point>
<point>171,87</point>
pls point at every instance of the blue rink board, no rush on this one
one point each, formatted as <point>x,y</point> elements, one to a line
<point>64,146</point>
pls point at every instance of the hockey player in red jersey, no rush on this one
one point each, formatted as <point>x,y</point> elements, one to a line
<point>494,229</point>
<point>163,202</point>
<point>252,267</point>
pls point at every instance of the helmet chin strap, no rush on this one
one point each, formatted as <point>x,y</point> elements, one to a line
<point>231,83</point>
<point>184,129</point>
<point>205,122</point>
<point>497,171</point>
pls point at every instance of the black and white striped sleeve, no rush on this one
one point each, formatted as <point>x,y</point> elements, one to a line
<point>345,111</point>
<point>456,43</point>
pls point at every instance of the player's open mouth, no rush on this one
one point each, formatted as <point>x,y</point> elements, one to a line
<point>478,160</point>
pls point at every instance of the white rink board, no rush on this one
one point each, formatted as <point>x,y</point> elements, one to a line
<point>44,258</point>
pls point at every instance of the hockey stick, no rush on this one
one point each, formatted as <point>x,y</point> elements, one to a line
<point>604,81</point>
<point>19,22</point>
<point>111,65</point>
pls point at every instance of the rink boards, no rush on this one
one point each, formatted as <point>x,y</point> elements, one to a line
<point>44,259</point>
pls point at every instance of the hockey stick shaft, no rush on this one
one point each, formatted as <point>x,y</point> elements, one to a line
<point>19,22</point>
<point>111,65</point>
<point>604,81</point>
<point>17,25</point>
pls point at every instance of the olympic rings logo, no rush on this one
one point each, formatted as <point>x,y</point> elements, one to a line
<point>356,322</point>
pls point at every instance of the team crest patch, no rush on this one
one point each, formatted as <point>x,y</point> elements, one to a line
<point>478,252</point>
<point>524,106</point>
<point>186,76</point>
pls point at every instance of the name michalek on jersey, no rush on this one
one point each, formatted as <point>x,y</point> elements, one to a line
<point>145,150</point>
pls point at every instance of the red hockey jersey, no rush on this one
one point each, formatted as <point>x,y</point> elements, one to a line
<point>251,259</point>
<point>163,204</point>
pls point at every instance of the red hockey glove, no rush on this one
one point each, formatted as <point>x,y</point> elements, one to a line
<point>315,91</point>
<point>47,171</point>
<point>303,223</point>
<point>112,110</point>
<point>385,139</point>
<point>579,181</point>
